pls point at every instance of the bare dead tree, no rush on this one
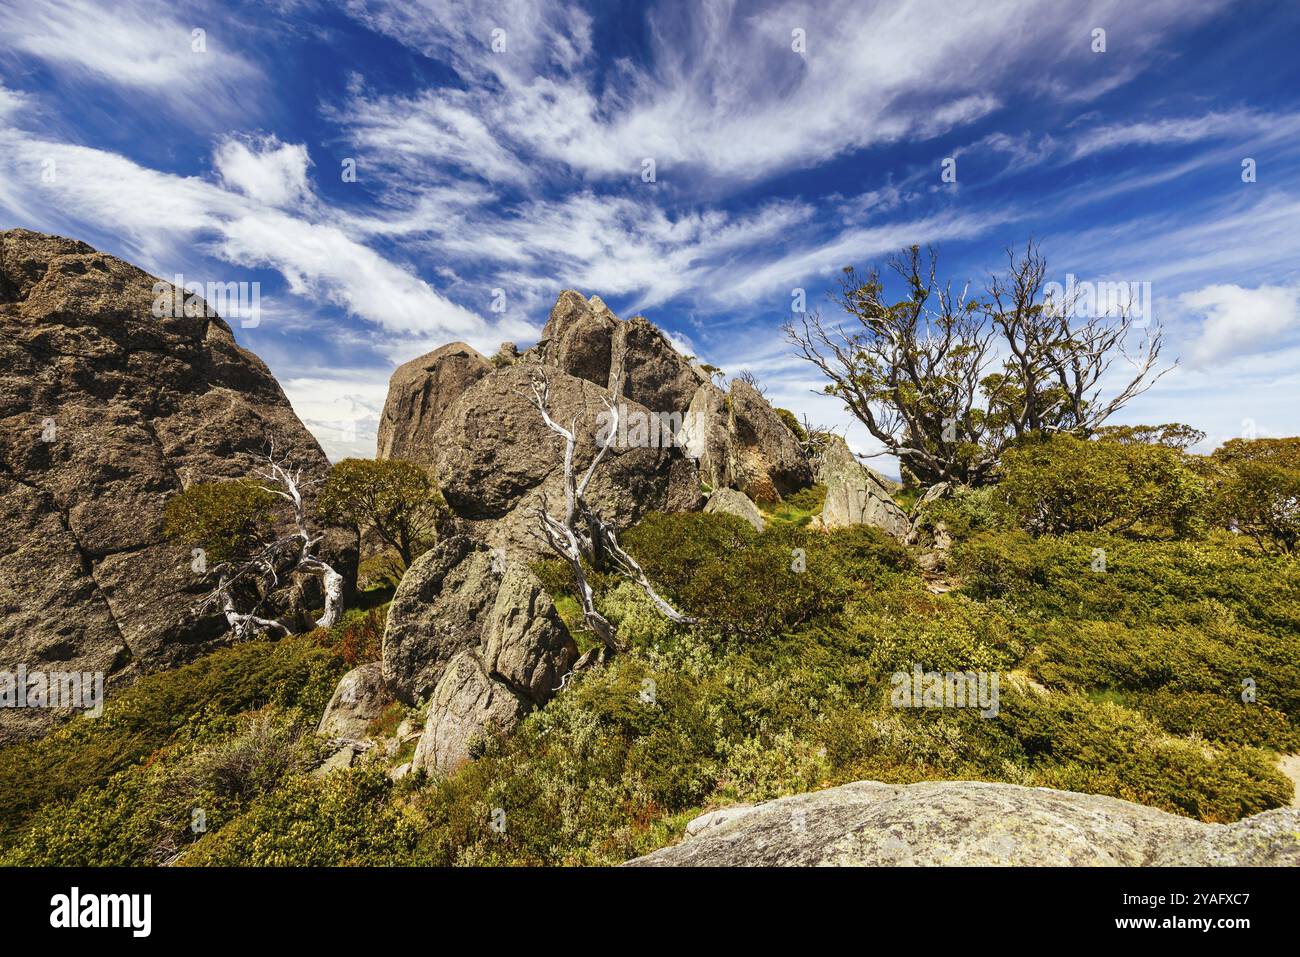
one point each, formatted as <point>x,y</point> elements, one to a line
<point>579,533</point>
<point>278,556</point>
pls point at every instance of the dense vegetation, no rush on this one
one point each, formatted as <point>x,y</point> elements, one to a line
<point>1145,652</point>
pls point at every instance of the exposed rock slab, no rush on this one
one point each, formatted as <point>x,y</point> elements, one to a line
<point>467,706</point>
<point>968,823</point>
<point>360,697</point>
<point>855,495</point>
<point>480,638</point>
<point>497,459</point>
<point>730,502</point>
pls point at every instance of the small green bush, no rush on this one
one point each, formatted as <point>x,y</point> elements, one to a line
<point>344,819</point>
<point>1259,490</point>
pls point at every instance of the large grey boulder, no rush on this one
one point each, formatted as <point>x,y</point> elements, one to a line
<point>707,428</point>
<point>741,442</point>
<point>497,459</point>
<point>655,375</point>
<point>855,495</point>
<point>419,394</point>
<point>524,643</point>
<point>585,339</point>
<point>438,611</point>
<point>730,502</point>
<point>360,697</point>
<point>106,411</point>
<point>969,823</point>
<point>468,705</point>
<point>579,337</point>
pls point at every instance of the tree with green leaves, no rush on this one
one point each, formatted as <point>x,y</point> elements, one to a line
<point>948,381</point>
<point>1259,490</point>
<point>398,499</point>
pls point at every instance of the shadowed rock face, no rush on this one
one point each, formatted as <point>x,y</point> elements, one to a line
<point>767,462</point>
<point>105,412</point>
<point>480,639</point>
<point>968,823</point>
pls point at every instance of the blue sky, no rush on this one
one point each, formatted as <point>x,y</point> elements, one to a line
<point>521,170</point>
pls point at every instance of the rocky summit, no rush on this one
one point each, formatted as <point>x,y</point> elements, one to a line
<point>473,421</point>
<point>106,410</point>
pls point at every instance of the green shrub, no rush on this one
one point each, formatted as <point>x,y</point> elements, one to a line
<point>148,812</point>
<point>192,703</point>
<point>345,818</point>
<point>228,520</point>
<point>1142,581</point>
<point>1061,484</point>
<point>966,511</point>
<point>396,498</point>
<point>1259,490</point>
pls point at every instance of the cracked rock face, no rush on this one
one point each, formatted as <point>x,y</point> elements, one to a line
<point>360,697</point>
<point>855,495</point>
<point>497,458</point>
<point>105,412</point>
<point>419,395</point>
<point>970,823</point>
<point>480,638</point>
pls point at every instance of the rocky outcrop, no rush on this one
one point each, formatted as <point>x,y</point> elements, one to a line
<point>968,823</point>
<point>419,395</point>
<point>105,412</point>
<point>480,638</point>
<point>585,339</point>
<point>579,337</point>
<point>437,612</point>
<point>767,461</point>
<point>360,698</point>
<point>730,502</point>
<point>855,495</point>
<point>654,374</point>
<point>741,442</point>
<point>497,459</point>
<point>708,435</point>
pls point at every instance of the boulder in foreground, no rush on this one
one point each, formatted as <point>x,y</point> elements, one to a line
<point>971,823</point>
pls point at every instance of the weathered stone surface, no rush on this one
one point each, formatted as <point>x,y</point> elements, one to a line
<point>730,502</point>
<point>419,394</point>
<point>854,493</point>
<point>439,610</point>
<point>525,644</point>
<point>708,435</point>
<point>105,412</point>
<point>767,460</point>
<point>462,597</point>
<point>685,494</point>
<point>578,337</point>
<point>467,705</point>
<point>360,698</point>
<point>970,823</point>
<point>497,459</point>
